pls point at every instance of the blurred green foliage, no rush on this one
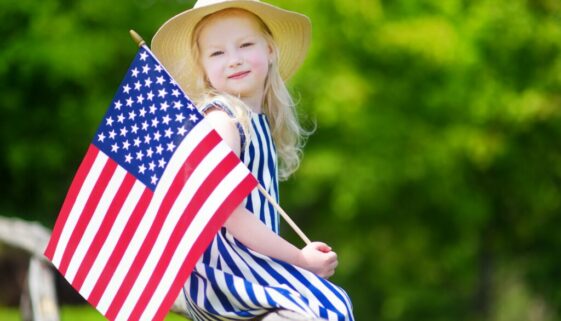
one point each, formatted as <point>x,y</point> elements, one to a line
<point>435,169</point>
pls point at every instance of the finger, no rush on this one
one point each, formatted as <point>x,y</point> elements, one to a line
<point>331,257</point>
<point>332,265</point>
<point>323,247</point>
<point>319,245</point>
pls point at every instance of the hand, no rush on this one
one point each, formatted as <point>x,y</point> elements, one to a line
<point>317,257</point>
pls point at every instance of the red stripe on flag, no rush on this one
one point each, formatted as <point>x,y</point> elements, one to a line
<point>87,213</point>
<point>213,226</point>
<point>104,229</point>
<point>202,194</point>
<point>122,244</point>
<point>71,196</point>
<point>191,163</point>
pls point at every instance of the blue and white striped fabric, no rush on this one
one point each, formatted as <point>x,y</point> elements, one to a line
<point>232,282</point>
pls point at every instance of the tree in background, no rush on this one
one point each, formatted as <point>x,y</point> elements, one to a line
<point>435,169</point>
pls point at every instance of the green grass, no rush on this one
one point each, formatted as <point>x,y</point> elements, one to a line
<point>9,314</point>
<point>71,313</point>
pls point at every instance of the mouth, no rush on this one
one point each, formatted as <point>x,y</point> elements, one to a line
<point>238,75</point>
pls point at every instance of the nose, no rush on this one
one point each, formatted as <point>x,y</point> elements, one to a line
<point>235,58</point>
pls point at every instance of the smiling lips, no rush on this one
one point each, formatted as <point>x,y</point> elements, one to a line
<point>238,75</point>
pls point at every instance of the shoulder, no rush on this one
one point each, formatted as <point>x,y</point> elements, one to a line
<point>223,121</point>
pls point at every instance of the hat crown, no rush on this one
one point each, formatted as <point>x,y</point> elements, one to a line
<point>204,3</point>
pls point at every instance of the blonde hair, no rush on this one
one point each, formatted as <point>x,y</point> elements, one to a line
<point>288,135</point>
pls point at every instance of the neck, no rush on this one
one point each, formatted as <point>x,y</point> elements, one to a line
<point>254,103</point>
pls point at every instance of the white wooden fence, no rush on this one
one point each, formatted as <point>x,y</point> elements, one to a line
<point>38,299</point>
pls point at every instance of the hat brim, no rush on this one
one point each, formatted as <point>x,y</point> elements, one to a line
<point>172,42</point>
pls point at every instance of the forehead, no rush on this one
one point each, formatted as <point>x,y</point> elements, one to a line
<point>231,20</point>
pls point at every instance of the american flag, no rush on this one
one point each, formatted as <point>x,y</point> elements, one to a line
<point>153,189</point>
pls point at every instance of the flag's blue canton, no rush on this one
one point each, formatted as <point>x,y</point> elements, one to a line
<point>147,120</point>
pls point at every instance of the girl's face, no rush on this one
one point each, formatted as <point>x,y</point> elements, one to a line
<point>235,55</point>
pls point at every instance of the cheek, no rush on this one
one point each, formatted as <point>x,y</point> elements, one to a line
<point>214,74</point>
<point>260,61</point>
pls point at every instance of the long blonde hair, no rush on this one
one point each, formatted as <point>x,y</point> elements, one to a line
<point>288,135</point>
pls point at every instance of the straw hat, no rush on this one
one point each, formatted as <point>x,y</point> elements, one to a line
<point>172,42</point>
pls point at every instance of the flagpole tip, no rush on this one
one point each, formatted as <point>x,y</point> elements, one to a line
<point>137,38</point>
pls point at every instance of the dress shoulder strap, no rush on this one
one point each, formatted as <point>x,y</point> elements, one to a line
<point>221,106</point>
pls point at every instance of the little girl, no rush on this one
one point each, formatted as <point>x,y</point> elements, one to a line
<point>232,58</point>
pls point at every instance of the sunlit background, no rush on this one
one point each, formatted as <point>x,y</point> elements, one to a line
<point>434,170</point>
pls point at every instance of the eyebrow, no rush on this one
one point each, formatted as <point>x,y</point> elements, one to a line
<point>218,45</point>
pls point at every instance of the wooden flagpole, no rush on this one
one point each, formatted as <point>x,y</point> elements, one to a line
<point>137,38</point>
<point>284,215</point>
<point>140,42</point>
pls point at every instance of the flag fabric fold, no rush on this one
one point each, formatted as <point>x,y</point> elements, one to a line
<point>155,186</point>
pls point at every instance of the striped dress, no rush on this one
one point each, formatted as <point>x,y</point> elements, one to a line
<point>232,282</point>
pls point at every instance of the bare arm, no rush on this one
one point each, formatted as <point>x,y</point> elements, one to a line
<point>248,229</point>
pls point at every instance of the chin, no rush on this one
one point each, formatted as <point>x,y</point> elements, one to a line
<point>238,93</point>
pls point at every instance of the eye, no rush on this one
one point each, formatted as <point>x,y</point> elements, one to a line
<point>216,53</point>
<point>247,44</point>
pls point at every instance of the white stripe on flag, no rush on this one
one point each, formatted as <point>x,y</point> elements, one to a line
<point>197,178</point>
<point>78,206</point>
<point>112,238</point>
<point>212,203</point>
<point>183,151</point>
<point>95,222</point>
